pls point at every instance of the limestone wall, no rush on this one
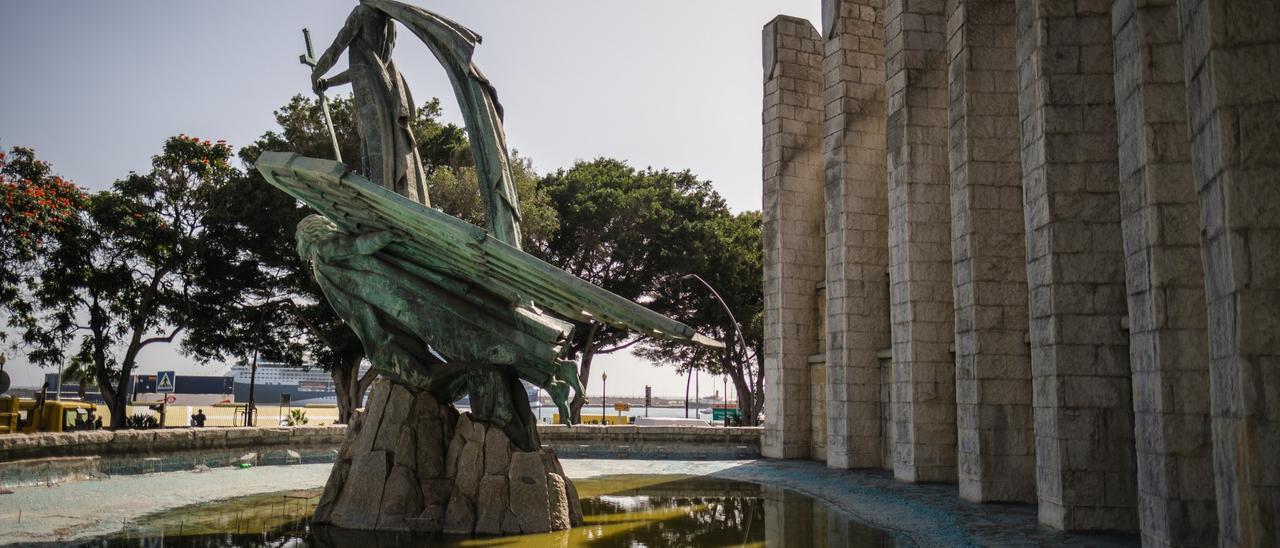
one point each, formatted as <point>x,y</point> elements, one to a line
<point>792,231</point>
<point>857,224</point>
<point>655,442</point>
<point>1077,209</point>
<point>144,443</point>
<point>996,451</point>
<point>36,459</point>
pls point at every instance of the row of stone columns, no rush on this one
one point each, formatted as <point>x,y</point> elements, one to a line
<point>1059,222</point>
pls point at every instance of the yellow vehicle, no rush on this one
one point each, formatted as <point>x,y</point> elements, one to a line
<point>22,415</point>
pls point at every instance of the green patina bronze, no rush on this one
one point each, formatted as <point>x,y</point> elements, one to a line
<point>440,304</point>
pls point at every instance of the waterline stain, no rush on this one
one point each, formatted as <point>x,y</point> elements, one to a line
<point>620,510</point>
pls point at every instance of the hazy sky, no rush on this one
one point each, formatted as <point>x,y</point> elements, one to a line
<point>95,87</point>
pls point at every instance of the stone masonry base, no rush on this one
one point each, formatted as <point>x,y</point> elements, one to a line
<point>410,463</point>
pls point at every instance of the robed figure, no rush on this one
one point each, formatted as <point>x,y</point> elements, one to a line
<point>384,106</point>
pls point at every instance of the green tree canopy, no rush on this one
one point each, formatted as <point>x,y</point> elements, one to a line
<point>732,263</point>
<point>120,274</point>
<point>633,232</point>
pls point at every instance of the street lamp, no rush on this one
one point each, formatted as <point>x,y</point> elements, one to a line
<point>604,378</point>
<point>742,343</point>
<point>726,400</point>
<point>687,379</point>
<point>58,397</point>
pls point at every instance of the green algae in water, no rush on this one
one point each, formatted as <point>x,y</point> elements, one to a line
<point>623,510</point>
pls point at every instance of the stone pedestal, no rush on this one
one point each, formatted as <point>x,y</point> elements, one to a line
<point>410,463</point>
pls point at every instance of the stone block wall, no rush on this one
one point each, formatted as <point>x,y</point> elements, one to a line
<point>793,246</point>
<point>920,293</point>
<point>1231,58</point>
<point>1082,197</point>
<point>1168,344</point>
<point>1075,266</point>
<point>856,230</point>
<point>652,442</point>
<point>996,449</point>
<point>410,463</point>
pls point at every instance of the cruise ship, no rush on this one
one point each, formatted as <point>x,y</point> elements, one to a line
<point>302,384</point>
<point>307,384</point>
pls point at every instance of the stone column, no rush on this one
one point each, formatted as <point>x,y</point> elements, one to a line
<point>1075,266</point>
<point>920,290</point>
<point>857,229</point>
<point>1168,346</point>
<point>1232,59</point>
<point>996,441</point>
<point>793,237</point>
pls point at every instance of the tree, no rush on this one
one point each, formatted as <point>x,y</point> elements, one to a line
<point>732,264</point>
<point>35,206</point>
<point>279,310</point>
<point>80,372</point>
<point>118,276</point>
<point>631,232</point>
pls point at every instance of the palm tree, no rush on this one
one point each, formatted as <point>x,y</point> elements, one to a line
<point>82,372</point>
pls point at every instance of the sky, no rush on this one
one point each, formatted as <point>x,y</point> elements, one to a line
<point>96,87</point>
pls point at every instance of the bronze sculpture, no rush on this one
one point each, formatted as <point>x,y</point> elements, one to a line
<point>384,106</point>
<point>443,308</point>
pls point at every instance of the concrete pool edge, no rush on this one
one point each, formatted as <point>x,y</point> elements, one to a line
<point>927,515</point>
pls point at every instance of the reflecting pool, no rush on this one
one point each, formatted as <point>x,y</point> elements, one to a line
<point>624,510</point>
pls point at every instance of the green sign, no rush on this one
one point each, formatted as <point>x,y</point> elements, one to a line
<point>718,413</point>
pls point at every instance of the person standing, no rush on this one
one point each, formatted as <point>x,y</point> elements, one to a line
<point>197,420</point>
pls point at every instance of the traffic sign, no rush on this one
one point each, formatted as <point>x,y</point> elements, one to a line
<point>164,381</point>
<point>620,407</point>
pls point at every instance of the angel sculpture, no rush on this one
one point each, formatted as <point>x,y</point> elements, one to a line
<point>440,304</point>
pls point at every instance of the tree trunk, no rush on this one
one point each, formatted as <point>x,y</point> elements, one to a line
<point>341,394</point>
<point>758,391</point>
<point>361,386</point>
<point>580,400</point>
<point>584,375</point>
<point>348,389</point>
<point>114,396</point>
<point>735,364</point>
<point>745,396</point>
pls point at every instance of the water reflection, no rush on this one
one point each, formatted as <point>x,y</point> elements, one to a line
<point>620,511</point>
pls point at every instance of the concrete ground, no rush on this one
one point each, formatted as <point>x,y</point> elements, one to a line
<point>924,514</point>
<point>92,508</point>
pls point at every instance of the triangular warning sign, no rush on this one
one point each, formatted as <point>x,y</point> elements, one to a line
<point>165,381</point>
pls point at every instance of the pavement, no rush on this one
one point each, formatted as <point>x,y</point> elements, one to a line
<point>83,509</point>
<point>920,514</point>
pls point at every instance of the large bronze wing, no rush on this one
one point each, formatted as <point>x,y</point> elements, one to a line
<point>459,250</point>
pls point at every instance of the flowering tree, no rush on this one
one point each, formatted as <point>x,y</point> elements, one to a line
<point>108,274</point>
<point>35,205</point>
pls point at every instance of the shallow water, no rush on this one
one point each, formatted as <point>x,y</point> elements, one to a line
<point>631,510</point>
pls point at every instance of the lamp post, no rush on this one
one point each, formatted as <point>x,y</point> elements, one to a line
<point>687,379</point>
<point>604,379</point>
<point>58,395</point>
<point>737,331</point>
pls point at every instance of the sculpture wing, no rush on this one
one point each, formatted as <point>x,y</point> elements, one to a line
<point>453,44</point>
<point>450,246</point>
